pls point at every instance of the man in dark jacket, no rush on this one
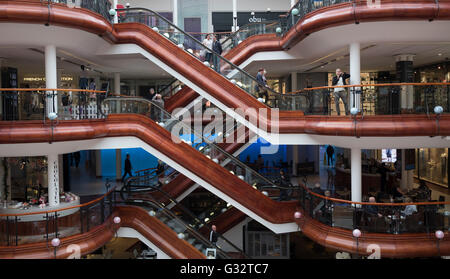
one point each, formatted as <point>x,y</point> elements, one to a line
<point>340,92</point>
<point>217,48</point>
<point>261,87</point>
<point>128,167</point>
<point>213,235</point>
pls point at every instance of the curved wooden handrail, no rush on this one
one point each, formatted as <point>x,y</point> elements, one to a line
<point>159,138</point>
<point>61,209</point>
<point>371,85</point>
<point>215,84</point>
<point>405,245</point>
<point>134,217</point>
<point>371,203</point>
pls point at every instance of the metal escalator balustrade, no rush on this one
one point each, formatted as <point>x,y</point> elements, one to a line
<point>179,129</point>
<point>221,65</point>
<point>183,222</point>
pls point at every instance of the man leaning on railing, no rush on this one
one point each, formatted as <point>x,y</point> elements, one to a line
<point>340,92</point>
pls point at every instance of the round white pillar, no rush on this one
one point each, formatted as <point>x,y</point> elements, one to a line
<point>356,175</point>
<point>53,179</point>
<point>404,64</point>
<point>175,12</point>
<point>235,24</point>
<point>51,77</point>
<point>116,83</point>
<point>355,75</point>
<point>114,6</point>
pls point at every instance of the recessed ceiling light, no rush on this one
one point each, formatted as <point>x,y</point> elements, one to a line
<point>440,54</point>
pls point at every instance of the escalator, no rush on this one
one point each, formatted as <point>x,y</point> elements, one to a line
<point>219,70</point>
<point>202,143</point>
<point>172,181</point>
<point>182,220</point>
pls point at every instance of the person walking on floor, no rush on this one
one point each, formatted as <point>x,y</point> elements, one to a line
<point>128,167</point>
<point>330,152</point>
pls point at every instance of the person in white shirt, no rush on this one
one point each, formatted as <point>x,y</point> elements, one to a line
<point>208,42</point>
<point>340,92</point>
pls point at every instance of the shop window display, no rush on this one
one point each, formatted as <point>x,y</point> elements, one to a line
<point>433,165</point>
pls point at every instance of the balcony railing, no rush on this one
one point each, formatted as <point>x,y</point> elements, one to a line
<point>375,217</point>
<point>101,7</point>
<point>33,104</point>
<point>377,99</point>
<point>45,225</point>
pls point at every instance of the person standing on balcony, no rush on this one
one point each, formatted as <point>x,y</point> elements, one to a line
<point>208,42</point>
<point>128,168</point>
<point>217,48</point>
<point>340,92</point>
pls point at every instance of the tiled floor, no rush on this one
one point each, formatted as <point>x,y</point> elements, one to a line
<point>84,182</point>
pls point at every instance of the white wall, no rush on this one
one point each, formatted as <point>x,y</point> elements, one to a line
<point>154,5</point>
<point>251,5</point>
<point>235,235</point>
<point>216,5</point>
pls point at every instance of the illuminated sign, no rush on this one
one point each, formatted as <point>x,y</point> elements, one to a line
<point>43,79</point>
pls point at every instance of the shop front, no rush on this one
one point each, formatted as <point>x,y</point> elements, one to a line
<point>24,182</point>
<point>433,166</point>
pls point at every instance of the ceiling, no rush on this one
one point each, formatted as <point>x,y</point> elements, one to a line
<point>22,46</point>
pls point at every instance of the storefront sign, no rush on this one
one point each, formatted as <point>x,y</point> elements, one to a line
<point>43,79</point>
<point>254,19</point>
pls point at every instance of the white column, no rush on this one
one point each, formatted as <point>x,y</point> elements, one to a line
<point>210,25</point>
<point>175,12</point>
<point>410,179</point>
<point>53,179</point>
<point>98,163</point>
<point>294,159</point>
<point>118,164</point>
<point>51,77</point>
<point>404,179</point>
<point>355,74</point>
<point>407,91</point>
<point>116,83</point>
<point>2,180</point>
<point>235,23</point>
<point>114,6</point>
<point>61,172</point>
<point>356,174</point>
<point>294,81</point>
<point>1,97</point>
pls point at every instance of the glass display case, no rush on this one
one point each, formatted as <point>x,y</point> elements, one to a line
<point>433,165</point>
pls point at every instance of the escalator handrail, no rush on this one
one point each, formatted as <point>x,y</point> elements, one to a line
<point>243,28</point>
<point>168,212</point>
<point>208,141</point>
<point>189,228</point>
<point>189,212</point>
<point>235,67</point>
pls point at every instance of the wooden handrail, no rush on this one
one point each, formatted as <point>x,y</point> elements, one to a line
<point>47,89</point>
<point>145,169</point>
<point>61,209</point>
<point>371,203</point>
<point>371,85</point>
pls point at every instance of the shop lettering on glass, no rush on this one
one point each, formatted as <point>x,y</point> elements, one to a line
<point>254,19</point>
